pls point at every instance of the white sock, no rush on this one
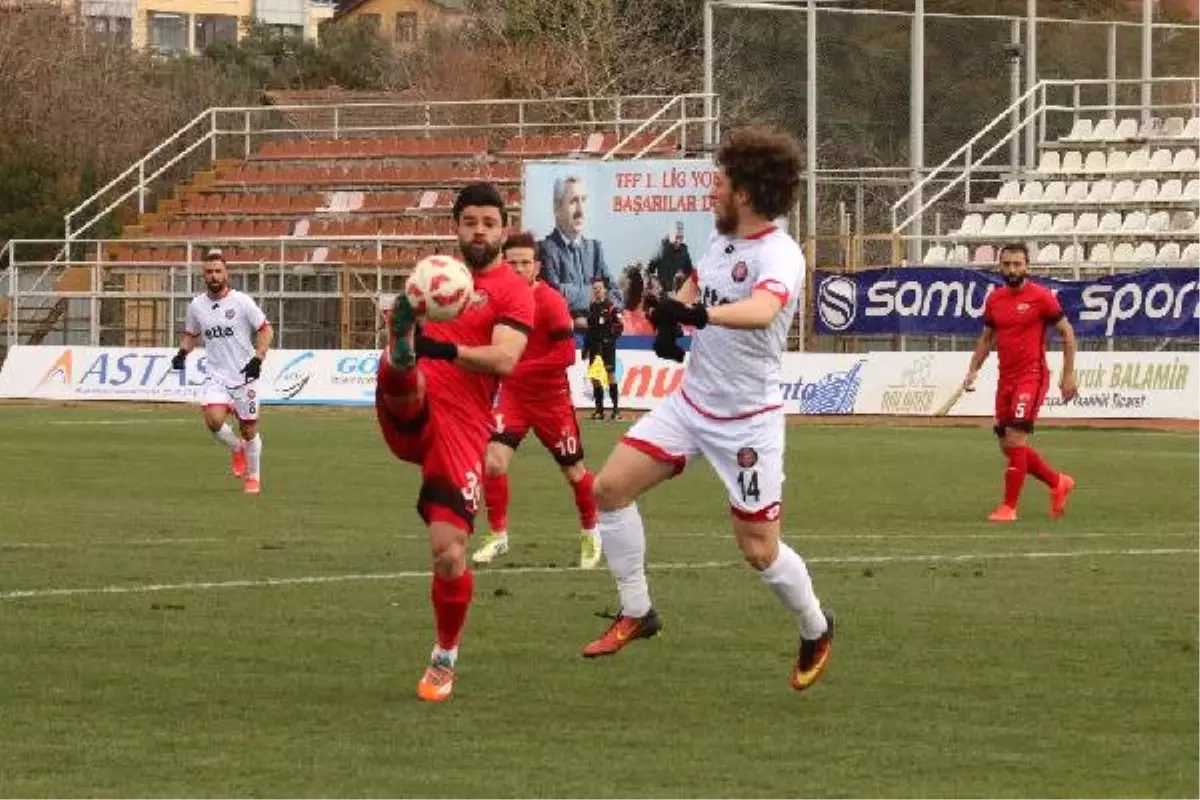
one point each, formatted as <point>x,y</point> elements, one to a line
<point>253,456</point>
<point>439,654</point>
<point>624,541</point>
<point>788,578</point>
<point>227,437</point>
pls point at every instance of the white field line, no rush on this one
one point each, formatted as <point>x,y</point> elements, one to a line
<point>162,421</point>
<point>665,567</point>
<point>800,539</point>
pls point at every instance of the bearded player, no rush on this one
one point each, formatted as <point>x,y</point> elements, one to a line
<point>236,337</point>
<point>1016,318</point>
<point>537,396</point>
<point>434,405</point>
<point>741,300</point>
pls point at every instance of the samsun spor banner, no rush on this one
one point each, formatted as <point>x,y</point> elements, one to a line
<point>948,300</point>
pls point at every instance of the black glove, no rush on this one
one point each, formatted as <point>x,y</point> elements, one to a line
<point>666,346</point>
<point>670,312</point>
<point>252,369</point>
<point>432,348</point>
<point>179,360</point>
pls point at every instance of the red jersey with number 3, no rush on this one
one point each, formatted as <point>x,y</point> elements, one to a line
<point>501,298</point>
<point>1020,318</point>
<point>542,370</point>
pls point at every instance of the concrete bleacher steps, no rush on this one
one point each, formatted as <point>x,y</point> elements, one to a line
<point>1109,193</point>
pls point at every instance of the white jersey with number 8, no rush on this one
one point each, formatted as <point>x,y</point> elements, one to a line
<point>227,327</point>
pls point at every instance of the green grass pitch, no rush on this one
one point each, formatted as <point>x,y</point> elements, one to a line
<point>270,646</point>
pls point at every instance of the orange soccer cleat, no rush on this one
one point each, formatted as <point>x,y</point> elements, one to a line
<point>1058,495</point>
<point>814,655</point>
<point>622,632</point>
<point>252,486</point>
<point>239,463</point>
<point>1003,513</point>
<point>437,683</point>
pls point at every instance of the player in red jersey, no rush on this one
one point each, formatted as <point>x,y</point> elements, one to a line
<point>537,396</point>
<point>434,404</point>
<point>1015,319</point>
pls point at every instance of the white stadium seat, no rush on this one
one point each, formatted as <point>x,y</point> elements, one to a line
<point>1191,253</point>
<point>984,254</point>
<point>1100,254</point>
<point>1039,224</point>
<point>1123,192</point>
<point>1184,161</point>
<point>1049,254</point>
<point>1081,130</point>
<point>1050,162</point>
<point>1147,191</point>
<point>1110,222</point>
<point>1124,253</point>
<point>935,255</point>
<point>1064,222</point>
<point>1127,128</point>
<point>995,224</point>
<point>1032,192</point>
<point>1173,127</point>
<point>1150,129</point>
<point>1169,253</point>
<point>1101,191</point>
<point>1054,192</point>
<point>1096,163</point>
<point>1118,161</point>
<point>1192,190</point>
<point>1017,225</point>
<point>1171,190</point>
<point>1145,253</point>
<point>1138,161</point>
<point>1183,221</point>
<point>1087,223</point>
<point>1072,162</point>
<point>1077,191</point>
<point>1192,129</point>
<point>1160,161</point>
<point>1105,130</point>
<point>1009,192</point>
<point>1158,222</point>
<point>959,255</point>
<point>971,225</point>
<point>1134,223</point>
<point>1072,254</point>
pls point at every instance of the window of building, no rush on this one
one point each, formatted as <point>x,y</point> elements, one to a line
<point>168,32</point>
<point>214,29</point>
<point>374,20</point>
<point>294,31</point>
<point>406,27</point>
<point>115,30</point>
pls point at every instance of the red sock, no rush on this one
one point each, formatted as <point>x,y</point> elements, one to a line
<point>451,599</point>
<point>495,492</point>
<point>401,391</point>
<point>1040,469</point>
<point>1014,476</point>
<point>585,500</point>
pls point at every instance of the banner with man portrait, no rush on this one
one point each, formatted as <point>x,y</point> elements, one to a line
<point>608,218</point>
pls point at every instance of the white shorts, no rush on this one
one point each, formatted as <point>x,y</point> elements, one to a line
<point>746,454</point>
<point>241,400</point>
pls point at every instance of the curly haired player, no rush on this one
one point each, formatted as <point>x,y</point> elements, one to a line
<point>741,299</point>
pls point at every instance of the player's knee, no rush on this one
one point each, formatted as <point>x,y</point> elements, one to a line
<point>758,550</point>
<point>449,557</point>
<point>574,472</point>
<point>495,465</point>
<point>610,495</point>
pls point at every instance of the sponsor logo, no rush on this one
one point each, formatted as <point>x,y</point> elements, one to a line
<point>914,392</point>
<point>837,302</point>
<point>739,272</point>
<point>747,457</point>
<point>230,313</point>
<point>832,393</point>
<point>60,371</point>
<point>1112,305</point>
<point>295,375</point>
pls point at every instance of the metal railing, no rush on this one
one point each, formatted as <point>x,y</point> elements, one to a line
<point>980,151</point>
<point>677,115</point>
<point>236,132</point>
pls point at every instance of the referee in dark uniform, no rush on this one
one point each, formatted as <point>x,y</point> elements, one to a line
<point>604,327</point>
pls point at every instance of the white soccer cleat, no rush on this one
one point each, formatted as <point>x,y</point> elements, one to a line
<point>494,546</point>
<point>589,550</point>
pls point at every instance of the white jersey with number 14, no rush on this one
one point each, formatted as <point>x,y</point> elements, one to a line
<point>227,326</point>
<point>732,374</point>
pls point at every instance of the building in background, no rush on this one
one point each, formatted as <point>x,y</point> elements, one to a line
<point>402,22</point>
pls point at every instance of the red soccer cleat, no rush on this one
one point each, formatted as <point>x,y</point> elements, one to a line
<point>1058,495</point>
<point>239,463</point>
<point>1003,513</point>
<point>252,486</point>
<point>622,632</point>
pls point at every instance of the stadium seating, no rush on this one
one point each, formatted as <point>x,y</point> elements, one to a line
<point>309,189</point>
<point>1111,193</point>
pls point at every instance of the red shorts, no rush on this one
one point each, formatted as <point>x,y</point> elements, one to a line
<point>1018,400</point>
<point>450,447</point>
<point>552,419</point>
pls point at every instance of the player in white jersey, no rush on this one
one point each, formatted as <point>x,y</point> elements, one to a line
<point>741,299</point>
<point>236,336</point>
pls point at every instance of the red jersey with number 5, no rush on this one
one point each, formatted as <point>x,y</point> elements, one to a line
<point>542,370</point>
<point>1020,318</point>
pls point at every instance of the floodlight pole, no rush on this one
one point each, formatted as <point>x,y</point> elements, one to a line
<point>708,76</point>
<point>916,126</point>
<point>810,92</point>
<point>1031,72</point>
<point>1147,53</point>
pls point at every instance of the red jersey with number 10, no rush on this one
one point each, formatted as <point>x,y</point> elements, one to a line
<point>542,371</point>
<point>1020,318</point>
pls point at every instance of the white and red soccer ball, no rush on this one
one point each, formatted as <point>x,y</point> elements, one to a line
<point>439,288</point>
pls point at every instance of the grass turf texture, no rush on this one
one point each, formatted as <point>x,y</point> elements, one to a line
<point>993,674</point>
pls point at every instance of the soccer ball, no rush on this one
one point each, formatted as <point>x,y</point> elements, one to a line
<point>439,287</point>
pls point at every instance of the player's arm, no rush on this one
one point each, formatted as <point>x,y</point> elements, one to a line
<point>557,319</point>
<point>1067,383</point>
<point>755,313</point>
<point>983,347</point>
<point>263,334</point>
<point>497,358</point>
<point>690,291</point>
<point>191,335</point>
